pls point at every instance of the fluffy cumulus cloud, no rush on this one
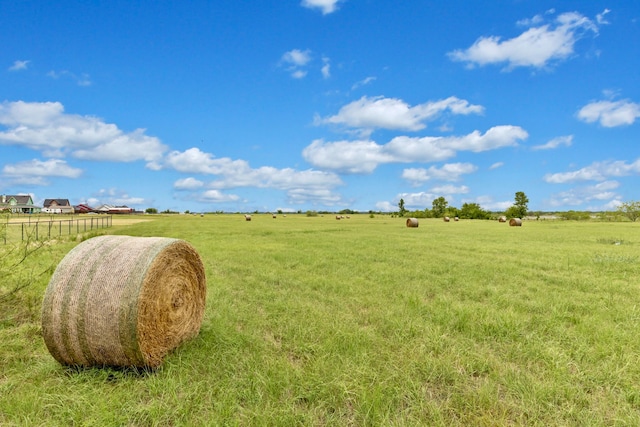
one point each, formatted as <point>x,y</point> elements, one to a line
<point>448,172</point>
<point>369,113</point>
<point>45,127</point>
<point>365,156</point>
<point>299,185</point>
<point>601,193</point>
<point>536,47</point>
<point>35,172</point>
<point>597,171</point>
<point>325,6</point>
<point>610,113</point>
<point>555,143</point>
<point>188,184</point>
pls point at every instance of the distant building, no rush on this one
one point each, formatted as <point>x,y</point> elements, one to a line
<point>57,206</point>
<point>18,204</point>
<point>109,209</point>
<point>82,208</point>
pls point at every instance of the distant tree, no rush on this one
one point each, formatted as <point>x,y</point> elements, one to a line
<point>520,208</point>
<point>401,208</point>
<point>473,211</point>
<point>151,210</point>
<point>438,206</point>
<point>630,209</point>
<point>279,211</point>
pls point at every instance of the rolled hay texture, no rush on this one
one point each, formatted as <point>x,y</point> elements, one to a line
<point>247,217</point>
<point>515,222</point>
<point>412,222</point>
<point>502,219</point>
<point>446,219</point>
<point>123,301</point>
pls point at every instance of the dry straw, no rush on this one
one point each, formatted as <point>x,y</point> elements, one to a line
<point>412,222</point>
<point>123,301</point>
<point>515,222</point>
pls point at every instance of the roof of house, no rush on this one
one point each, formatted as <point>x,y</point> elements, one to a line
<point>21,200</point>
<point>56,202</point>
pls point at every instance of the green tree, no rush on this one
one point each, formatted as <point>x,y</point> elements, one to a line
<point>401,208</point>
<point>630,209</point>
<point>438,207</point>
<point>520,208</point>
<point>151,210</point>
<point>473,211</point>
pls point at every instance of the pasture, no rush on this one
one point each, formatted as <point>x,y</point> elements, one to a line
<point>363,321</point>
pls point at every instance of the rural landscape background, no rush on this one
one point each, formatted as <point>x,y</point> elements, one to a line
<point>358,321</point>
<point>321,105</point>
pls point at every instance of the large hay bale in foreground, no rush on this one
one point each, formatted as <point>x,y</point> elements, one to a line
<point>412,222</point>
<point>123,301</point>
<point>515,222</point>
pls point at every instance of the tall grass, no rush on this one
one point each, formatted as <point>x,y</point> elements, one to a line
<point>362,321</point>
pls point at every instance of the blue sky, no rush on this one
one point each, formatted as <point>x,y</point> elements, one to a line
<point>321,104</point>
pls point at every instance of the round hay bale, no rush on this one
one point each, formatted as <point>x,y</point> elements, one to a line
<point>456,218</point>
<point>502,219</point>
<point>123,301</point>
<point>446,219</point>
<point>515,222</point>
<point>247,217</point>
<point>412,222</point>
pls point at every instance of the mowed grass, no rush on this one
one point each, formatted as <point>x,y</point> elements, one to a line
<point>362,321</point>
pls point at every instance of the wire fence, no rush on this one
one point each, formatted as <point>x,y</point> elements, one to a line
<point>39,229</point>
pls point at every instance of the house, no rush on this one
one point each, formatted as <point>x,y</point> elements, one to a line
<point>18,204</point>
<point>57,206</point>
<point>109,209</point>
<point>82,208</point>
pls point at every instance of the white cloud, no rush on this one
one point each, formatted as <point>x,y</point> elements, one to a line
<point>496,165</point>
<point>187,184</point>
<point>363,82</point>
<point>597,171</point>
<point>346,156</point>
<point>294,62</point>
<point>45,127</point>
<point>385,206</point>
<point>600,192</point>
<point>600,17</point>
<point>81,80</point>
<point>420,200</point>
<point>450,189</point>
<point>391,113</point>
<point>19,65</point>
<point>487,203</point>
<point>610,113</point>
<point>364,156</point>
<point>555,143</point>
<point>536,47</point>
<point>299,185</point>
<point>115,197</point>
<point>217,196</point>
<point>325,6</point>
<point>326,68</point>
<point>51,167</point>
<point>448,172</point>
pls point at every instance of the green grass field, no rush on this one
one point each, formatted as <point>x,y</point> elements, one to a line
<point>363,321</point>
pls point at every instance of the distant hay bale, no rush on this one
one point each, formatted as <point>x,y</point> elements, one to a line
<point>502,219</point>
<point>338,217</point>
<point>456,219</point>
<point>273,216</point>
<point>247,217</point>
<point>123,301</point>
<point>446,219</point>
<point>412,222</point>
<point>515,222</point>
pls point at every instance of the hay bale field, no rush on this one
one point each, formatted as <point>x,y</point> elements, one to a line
<point>123,301</point>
